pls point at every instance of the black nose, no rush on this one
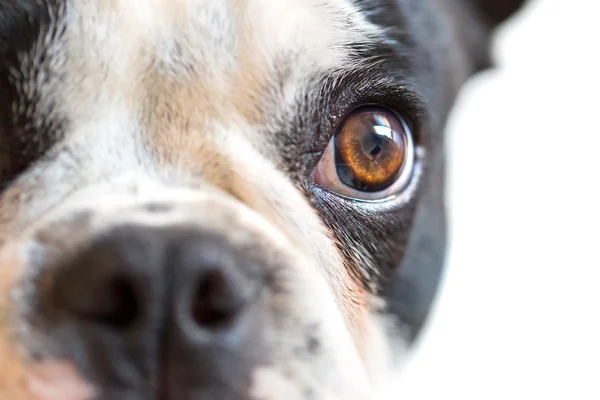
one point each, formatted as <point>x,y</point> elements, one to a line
<point>172,311</point>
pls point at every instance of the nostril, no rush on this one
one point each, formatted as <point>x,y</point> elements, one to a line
<point>118,308</point>
<point>215,302</point>
<point>110,300</point>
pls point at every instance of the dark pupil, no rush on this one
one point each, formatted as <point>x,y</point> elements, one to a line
<point>372,144</point>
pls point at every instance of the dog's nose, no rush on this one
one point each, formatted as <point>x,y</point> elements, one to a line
<point>144,305</point>
<point>117,283</point>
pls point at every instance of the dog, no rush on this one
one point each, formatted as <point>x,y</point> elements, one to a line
<point>219,199</point>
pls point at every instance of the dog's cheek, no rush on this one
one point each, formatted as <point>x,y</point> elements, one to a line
<point>316,355</point>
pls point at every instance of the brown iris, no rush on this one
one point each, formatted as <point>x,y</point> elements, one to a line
<point>370,149</point>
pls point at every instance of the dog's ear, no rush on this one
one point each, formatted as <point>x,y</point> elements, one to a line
<point>494,12</point>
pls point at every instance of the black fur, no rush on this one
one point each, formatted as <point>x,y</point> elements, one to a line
<point>23,23</point>
<point>437,46</point>
<point>495,12</point>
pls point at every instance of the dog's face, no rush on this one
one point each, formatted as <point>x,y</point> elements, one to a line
<point>218,199</point>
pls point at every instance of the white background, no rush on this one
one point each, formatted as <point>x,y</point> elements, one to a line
<point>519,312</point>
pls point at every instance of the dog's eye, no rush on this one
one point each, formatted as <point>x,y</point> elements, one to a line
<point>370,157</point>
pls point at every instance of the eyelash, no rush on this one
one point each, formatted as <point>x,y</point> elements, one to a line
<point>400,98</point>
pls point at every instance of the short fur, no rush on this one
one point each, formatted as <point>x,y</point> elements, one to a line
<point>211,115</point>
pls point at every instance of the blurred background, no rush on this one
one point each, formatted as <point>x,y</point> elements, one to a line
<point>518,316</point>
